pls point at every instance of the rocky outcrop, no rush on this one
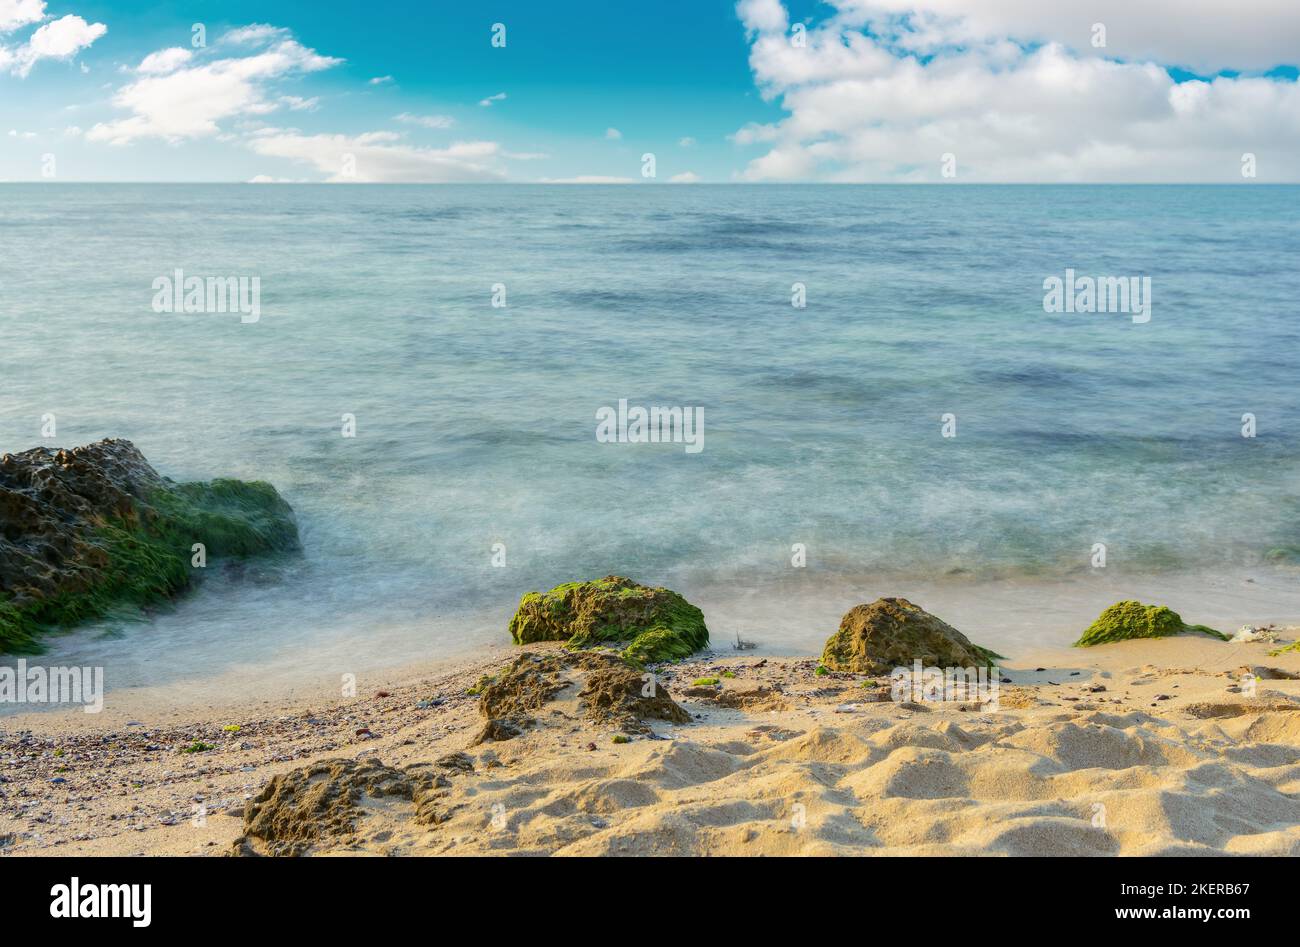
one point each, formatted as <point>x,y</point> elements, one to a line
<point>1131,619</point>
<point>891,633</point>
<point>617,695</point>
<point>94,527</point>
<point>322,801</point>
<point>653,624</point>
<point>609,693</point>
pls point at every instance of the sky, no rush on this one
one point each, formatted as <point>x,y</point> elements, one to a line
<point>578,91</point>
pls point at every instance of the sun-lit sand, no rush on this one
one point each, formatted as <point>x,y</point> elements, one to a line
<point>1137,748</point>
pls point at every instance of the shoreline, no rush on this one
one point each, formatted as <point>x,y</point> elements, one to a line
<point>1019,617</point>
<point>1018,780</point>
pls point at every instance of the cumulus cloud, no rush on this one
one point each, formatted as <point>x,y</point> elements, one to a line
<point>382,157</point>
<point>883,89</point>
<point>1201,35</point>
<point>426,121</point>
<point>59,39</point>
<point>188,102</point>
<point>487,103</point>
<point>164,61</point>
<point>17,13</point>
<point>762,16</point>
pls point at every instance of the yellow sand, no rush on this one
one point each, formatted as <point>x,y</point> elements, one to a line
<point>816,768</point>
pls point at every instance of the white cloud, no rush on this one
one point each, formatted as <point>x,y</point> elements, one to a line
<point>687,142</point>
<point>613,134</point>
<point>381,157</point>
<point>255,34</point>
<point>487,103</point>
<point>381,80</point>
<point>764,16</point>
<point>1203,35</point>
<point>686,177</point>
<point>17,13</point>
<point>164,61</point>
<point>878,94</point>
<point>189,102</point>
<point>58,39</point>
<point>298,104</point>
<point>426,121</point>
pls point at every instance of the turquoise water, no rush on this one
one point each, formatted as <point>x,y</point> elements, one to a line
<point>476,425</point>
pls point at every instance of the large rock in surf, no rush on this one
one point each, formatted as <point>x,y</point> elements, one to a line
<point>657,624</point>
<point>85,530</point>
<point>891,633</point>
<point>1131,619</point>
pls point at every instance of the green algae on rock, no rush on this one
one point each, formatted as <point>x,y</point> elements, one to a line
<point>891,633</point>
<point>1131,619</point>
<point>657,624</point>
<point>88,530</point>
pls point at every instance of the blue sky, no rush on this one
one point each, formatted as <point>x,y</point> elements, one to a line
<point>569,78</point>
<point>717,90</point>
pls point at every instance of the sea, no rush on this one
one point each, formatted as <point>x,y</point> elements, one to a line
<point>887,403</point>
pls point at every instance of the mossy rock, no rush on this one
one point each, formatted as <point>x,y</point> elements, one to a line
<point>651,624</point>
<point>86,531</point>
<point>1131,619</point>
<point>891,633</point>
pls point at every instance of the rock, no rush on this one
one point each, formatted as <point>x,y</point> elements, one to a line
<point>300,808</point>
<point>657,624</point>
<point>1267,673</point>
<point>1249,633</point>
<point>617,694</point>
<point>1131,619</point>
<point>891,633</point>
<point>509,699</point>
<point>456,762</point>
<point>611,692</point>
<point>87,529</point>
<point>498,730</point>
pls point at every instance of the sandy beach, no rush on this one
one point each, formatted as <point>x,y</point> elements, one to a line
<point>1151,747</point>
